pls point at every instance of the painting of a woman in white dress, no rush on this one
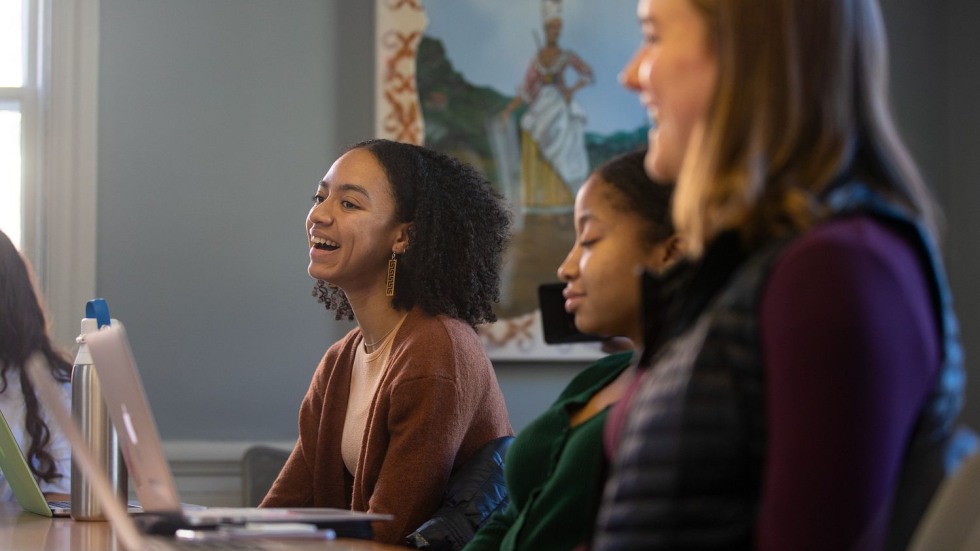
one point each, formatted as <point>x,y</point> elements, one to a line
<point>526,92</point>
<point>554,161</point>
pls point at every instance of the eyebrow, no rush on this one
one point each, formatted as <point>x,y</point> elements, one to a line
<point>581,221</point>
<point>349,187</point>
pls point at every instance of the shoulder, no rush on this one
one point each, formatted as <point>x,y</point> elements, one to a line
<point>856,273</point>
<point>339,353</point>
<point>442,333</point>
<point>438,346</point>
<point>858,234</point>
<point>856,249</point>
<point>345,345</point>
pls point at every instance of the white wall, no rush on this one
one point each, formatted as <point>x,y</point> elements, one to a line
<point>216,119</point>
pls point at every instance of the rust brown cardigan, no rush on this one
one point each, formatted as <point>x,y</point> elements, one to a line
<point>437,404</point>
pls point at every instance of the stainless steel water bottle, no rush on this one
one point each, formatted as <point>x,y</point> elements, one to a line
<point>89,411</point>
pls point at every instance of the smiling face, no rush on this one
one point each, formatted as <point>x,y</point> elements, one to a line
<point>351,228</point>
<point>674,71</point>
<point>600,272</point>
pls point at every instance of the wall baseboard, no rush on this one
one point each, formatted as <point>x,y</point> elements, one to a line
<point>210,473</point>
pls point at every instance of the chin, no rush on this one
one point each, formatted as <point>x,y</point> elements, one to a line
<point>658,166</point>
<point>317,274</point>
<point>585,328</point>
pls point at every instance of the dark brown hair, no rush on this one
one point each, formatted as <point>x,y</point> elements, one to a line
<point>632,191</point>
<point>23,330</point>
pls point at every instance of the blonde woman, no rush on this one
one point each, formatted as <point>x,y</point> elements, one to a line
<point>807,391</point>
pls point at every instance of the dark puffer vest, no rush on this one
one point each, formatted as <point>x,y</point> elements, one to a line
<point>689,467</point>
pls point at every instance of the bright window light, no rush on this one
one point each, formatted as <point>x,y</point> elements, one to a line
<point>11,43</point>
<point>10,175</point>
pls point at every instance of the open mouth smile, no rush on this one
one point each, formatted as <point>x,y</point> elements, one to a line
<point>324,244</point>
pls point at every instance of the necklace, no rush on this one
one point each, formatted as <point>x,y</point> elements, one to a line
<point>371,345</point>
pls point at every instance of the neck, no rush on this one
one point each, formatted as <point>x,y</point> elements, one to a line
<point>374,314</point>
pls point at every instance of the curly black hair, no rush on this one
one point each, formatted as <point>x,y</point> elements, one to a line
<point>459,229</point>
<point>636,193</point>
<point>23,331</point>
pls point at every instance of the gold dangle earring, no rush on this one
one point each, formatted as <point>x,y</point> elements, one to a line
<point>390,281</point>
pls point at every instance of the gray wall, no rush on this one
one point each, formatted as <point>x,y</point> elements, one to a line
<point>216,119</point>
<point>935,86</point>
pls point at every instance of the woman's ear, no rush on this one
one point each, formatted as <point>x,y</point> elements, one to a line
<point>401,238</point>
<point>673,250</point>
<point>665,253</point>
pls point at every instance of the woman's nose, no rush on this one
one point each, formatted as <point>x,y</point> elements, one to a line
<point>629,77</point>
<point>321,213</point>
<point>566,270</point>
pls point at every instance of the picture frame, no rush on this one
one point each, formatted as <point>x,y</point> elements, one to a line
<point>469,78</point>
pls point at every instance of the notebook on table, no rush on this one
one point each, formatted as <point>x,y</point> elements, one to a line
<point>124,527</point>
<point>150,475</point>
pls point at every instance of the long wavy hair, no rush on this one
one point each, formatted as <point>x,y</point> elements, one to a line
<point>459,229</point>
<point>801,101</point>
<point>24,330</point>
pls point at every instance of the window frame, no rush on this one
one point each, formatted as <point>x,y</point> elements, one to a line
<point>60,157</point>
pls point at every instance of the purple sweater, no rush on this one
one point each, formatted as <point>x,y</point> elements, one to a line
<point>851,348</point>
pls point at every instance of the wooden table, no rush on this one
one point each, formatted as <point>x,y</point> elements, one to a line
<point>20,531</point>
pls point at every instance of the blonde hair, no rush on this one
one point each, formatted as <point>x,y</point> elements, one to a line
<point>801,100</point>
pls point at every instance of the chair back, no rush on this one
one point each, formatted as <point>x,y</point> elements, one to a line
<point>475,492</point>
<point>260,467</point>
<point>952,520</point>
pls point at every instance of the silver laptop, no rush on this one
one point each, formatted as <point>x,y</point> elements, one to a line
<point>150,475</point>
<point>124,528</point>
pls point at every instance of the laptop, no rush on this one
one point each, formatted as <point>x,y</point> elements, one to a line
<point>21,480</point>
<point>124,527</point>
<point>142,449</point>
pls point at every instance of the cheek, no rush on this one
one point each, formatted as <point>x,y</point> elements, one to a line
<point>700,77</point>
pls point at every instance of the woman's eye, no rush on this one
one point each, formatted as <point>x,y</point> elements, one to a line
<point>347,204</point>
<point>317,199</point>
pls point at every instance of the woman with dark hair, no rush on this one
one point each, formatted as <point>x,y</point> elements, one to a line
<point>555,467</point>
<point>23,331</point>
<point>407,242</point>
<point>804,390</point>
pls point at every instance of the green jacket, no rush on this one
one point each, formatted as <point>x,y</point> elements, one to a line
<point>554,472</point>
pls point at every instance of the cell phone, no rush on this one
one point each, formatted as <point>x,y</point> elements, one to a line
<point>559,325</point>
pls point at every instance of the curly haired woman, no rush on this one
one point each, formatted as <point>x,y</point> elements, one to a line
<point>410,241</point>
<point>23,331</point>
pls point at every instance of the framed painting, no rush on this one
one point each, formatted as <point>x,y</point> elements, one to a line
<point>527,92</point>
